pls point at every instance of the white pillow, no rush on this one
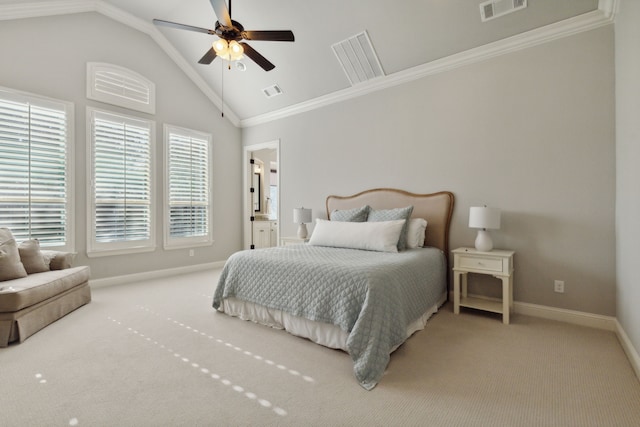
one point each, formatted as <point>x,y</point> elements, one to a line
<point>379,236</point>
<point>416,232</point>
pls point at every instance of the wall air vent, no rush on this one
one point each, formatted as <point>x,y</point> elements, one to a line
<point>358,59</point>
<point>271,91</point>
<point>495,8</point>
<point>120,86</point>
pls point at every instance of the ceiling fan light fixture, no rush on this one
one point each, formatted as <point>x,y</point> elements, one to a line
<point>231,51</point>
<point>235,50</point>
<point>221,47</point>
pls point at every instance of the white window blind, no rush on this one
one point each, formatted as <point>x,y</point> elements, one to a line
<point>188,208</point>
<point>35,142</point>
<point>122,186</point>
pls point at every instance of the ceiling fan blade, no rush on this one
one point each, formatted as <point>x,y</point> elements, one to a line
<point>183,26</point>
<point>208,57</point>
<point>257,58</point>
<point>274,36</point>
<point>222,12</point>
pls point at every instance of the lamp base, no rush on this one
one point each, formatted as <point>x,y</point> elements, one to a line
<point>483,241</point>
<point>302,231</point>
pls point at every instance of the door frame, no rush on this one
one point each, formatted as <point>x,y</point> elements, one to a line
<point>246,185</point>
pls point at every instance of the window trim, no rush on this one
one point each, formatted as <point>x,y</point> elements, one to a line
<point>97,249</point>
<point>185,242</point>
<point>69,108</point>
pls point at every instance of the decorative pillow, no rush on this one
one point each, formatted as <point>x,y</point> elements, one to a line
<point>416,232</point>
<point>5,234</point>
<point>59,260</point>
<point>392,215</point>
<point>31,257</point>
<point>10,265</point>
<point>371,236</point>
<point>351,215</point>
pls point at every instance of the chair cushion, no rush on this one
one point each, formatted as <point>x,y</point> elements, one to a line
<point>26,291</point>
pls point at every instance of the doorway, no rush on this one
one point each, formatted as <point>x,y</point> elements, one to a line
<point>261,184</point>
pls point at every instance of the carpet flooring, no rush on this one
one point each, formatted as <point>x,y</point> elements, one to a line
<point>154,353</point>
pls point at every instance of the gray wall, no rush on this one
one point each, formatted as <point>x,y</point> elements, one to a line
<point>627,170</point>
<point>48,56</point>
<point>531,133</point>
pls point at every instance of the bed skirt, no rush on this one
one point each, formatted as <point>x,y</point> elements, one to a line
<point>324,334</point>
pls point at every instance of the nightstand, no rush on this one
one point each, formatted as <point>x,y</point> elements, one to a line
<point>293,240</point>
<point>497,263</point>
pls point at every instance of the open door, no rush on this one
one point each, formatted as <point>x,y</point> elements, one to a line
<point>261,195</point>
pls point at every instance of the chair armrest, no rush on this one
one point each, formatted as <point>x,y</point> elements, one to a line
<point>59,260</point>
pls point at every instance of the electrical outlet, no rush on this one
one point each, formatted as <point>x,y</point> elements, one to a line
<point>558,286</point>
<point>192,252</point>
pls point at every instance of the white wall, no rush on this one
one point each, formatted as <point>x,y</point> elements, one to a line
<point>627,34</point>
<point>531,132</point>
<point>48,56</point>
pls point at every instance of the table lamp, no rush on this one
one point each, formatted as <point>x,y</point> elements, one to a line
<point>302,216</point>
<point>484,218</point>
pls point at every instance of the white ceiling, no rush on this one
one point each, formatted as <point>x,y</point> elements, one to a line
<point>405,35</point>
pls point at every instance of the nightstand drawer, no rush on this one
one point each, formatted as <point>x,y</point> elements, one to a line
<point>481,263</point>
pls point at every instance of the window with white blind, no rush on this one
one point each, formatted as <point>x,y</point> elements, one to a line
<point>121,195</point>
<point>188,199</point>
<point>36,145</point>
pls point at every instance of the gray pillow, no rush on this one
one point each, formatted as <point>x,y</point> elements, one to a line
<point>392,215</point>
<point>351,215</point>
<point>10,265</point>
<point>31,257</point>
<point>59,260</point>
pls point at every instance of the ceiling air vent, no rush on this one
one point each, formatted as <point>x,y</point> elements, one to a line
<point>358,59</point>
<point>495,8</point>
<point>271,91</point>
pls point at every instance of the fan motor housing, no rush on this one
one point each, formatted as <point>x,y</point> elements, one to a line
<point>230,33</point>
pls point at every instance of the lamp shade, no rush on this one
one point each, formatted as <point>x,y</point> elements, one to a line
<point>301,216</point>
<point>484,218</point>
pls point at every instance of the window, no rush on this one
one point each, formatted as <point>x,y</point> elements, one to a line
<point>36,144</point>
<point>120,86</point>
<point>120,208</point>
<point>188,205</point>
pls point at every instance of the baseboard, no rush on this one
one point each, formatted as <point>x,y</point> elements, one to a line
<point>562,315</point>
<point>148,275</point>
<point>568,316</point>
<point>629,349</point>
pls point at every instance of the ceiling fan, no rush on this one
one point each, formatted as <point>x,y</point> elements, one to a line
<point>230,33</point>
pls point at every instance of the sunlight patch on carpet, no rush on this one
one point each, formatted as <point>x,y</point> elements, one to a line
<point>185,360</point>
<point>229,345</point>
<point>40,379</point>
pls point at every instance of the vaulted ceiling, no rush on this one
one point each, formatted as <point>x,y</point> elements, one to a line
<point>410,38</point>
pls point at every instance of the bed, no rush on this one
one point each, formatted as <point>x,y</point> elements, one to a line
<point>335,293</point>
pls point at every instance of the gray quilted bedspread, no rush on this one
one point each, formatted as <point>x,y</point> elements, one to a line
<point>373,296</point>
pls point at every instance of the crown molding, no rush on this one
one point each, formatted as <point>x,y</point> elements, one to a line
<point>603,16</point>
<point>37,9</point>
<point>66,7</point>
